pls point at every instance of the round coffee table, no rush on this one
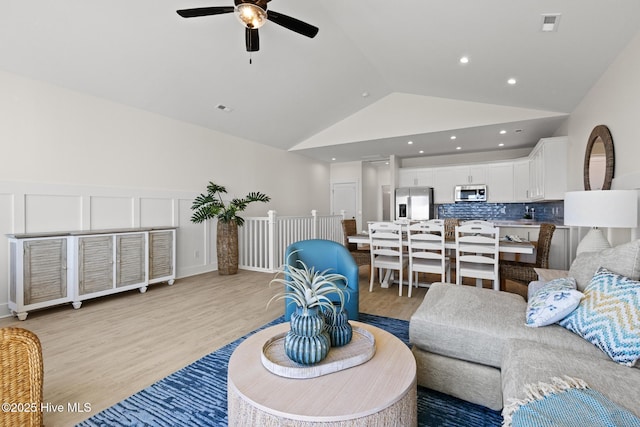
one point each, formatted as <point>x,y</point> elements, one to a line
<point>380,392</point>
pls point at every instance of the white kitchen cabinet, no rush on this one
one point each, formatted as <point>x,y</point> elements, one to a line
<point>407,178</point>
<point>38,273</point>
<point>521,181</point>
<point>548,169</point>
<point>422,177</point>
<point>500,182</point>
<point>476,174</point>
<point>51,269</point>
<point>443,184</point>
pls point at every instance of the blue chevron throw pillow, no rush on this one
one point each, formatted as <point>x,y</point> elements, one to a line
<point>609,316</point>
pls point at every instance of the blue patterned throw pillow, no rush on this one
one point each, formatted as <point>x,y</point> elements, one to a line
<point>609,316</point>
<point>552,302</point>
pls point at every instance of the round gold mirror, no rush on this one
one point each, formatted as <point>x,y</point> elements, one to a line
<point>599,160</point>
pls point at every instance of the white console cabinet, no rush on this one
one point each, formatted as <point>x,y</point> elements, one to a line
<point>51,269</point>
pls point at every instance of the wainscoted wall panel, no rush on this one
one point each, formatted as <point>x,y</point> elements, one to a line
<point>111,212</point>
<point>52,212</point>
<point>33,207</point>
<point>154,212</point>
<point>191,249</point>
<point>6,222</point>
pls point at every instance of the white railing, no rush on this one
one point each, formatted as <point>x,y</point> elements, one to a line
<point>262,241</point>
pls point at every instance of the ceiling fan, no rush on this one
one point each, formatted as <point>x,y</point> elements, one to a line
<point>253,14</point>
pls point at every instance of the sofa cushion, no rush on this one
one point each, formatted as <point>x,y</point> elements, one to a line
<point>526,362</point>
<point>473,324</point>
<point>609,316</point>
<point>555,300</point>
<point>623,259</point>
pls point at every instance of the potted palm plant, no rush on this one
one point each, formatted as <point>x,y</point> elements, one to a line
<point>308,342</point>
<point>211,205</point>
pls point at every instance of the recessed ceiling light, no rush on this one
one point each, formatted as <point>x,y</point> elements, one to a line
<point>453,137</point>
<point>501,144</point>
<point>365,94</point>
<point>458,148</point>
<point>421,151</point>
<point>502,132</point>
<point>464,60</point>
<point>512,81</point>
<point>333,159</point>
<point>409,142</point>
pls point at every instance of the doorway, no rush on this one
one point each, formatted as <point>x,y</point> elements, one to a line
<point>343,198</point>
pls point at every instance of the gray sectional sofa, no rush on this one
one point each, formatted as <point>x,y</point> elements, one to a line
<point>473,343</point>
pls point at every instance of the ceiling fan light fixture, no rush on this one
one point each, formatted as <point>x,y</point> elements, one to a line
<point>250,15</point>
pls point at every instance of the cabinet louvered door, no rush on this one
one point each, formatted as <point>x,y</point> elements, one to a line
<point>130,259</point>
<point>160,254</point>
<point>45,270</point>
<point>95,264</point>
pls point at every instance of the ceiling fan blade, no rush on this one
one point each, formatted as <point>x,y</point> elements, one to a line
<point>204,11</point>
<point>292,24</point>
<point>251,39</point>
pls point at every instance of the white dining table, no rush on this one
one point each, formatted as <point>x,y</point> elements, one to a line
<point>505,246</point>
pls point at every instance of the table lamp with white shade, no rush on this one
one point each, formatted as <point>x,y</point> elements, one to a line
<point>601,208</point>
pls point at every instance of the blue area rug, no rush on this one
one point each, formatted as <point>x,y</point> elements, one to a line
<point>196,396</point>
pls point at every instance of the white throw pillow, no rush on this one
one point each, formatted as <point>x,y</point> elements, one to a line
<point>553,302</point>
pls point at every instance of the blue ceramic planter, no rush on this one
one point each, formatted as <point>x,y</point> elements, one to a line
<point>307,342</point>
<point>338,327</point>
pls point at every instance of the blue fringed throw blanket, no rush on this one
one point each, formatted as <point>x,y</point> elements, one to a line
<point>565,402</point>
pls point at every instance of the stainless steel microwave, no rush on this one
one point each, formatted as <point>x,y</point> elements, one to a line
<point>470,193</point>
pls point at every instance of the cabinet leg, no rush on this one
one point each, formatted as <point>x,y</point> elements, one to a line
<point>22,315</point>
<point>171,282</point>
<point>76,304</point>
<point>143,289</point>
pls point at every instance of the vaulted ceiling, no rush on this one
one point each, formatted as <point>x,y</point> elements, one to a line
<point>378,74</point>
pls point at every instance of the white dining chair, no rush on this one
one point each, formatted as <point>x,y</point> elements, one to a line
<point>386,246</point>
<point>477,253</point>
<point>427,253</point>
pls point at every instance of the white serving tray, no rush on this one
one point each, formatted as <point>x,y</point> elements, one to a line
<point>361,349</point>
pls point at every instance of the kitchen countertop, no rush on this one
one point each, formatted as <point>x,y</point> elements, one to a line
<point>524,223</point>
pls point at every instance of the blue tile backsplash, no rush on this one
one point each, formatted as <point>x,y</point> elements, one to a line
<point>542,212</point>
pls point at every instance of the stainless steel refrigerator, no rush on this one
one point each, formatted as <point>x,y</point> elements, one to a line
<point>414,203</point>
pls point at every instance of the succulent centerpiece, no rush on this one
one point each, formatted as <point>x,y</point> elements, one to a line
<point>308,341</point>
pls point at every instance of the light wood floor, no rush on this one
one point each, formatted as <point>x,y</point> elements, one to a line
<point>114,346</point>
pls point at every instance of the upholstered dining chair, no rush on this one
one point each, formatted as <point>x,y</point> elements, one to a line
<point>326,254</point>
<point>523,272</point>
<point>360,256</point>
<point>427,253</point>
<point>21,376</point>
<point>478,253</point>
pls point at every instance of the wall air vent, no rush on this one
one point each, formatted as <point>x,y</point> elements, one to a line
<point>550,22</point>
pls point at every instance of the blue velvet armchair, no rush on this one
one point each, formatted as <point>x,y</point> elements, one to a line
<point>326,254</point>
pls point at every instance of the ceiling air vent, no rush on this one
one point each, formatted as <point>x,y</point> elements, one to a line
<point>224,108</point>
<point>550,22</point>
